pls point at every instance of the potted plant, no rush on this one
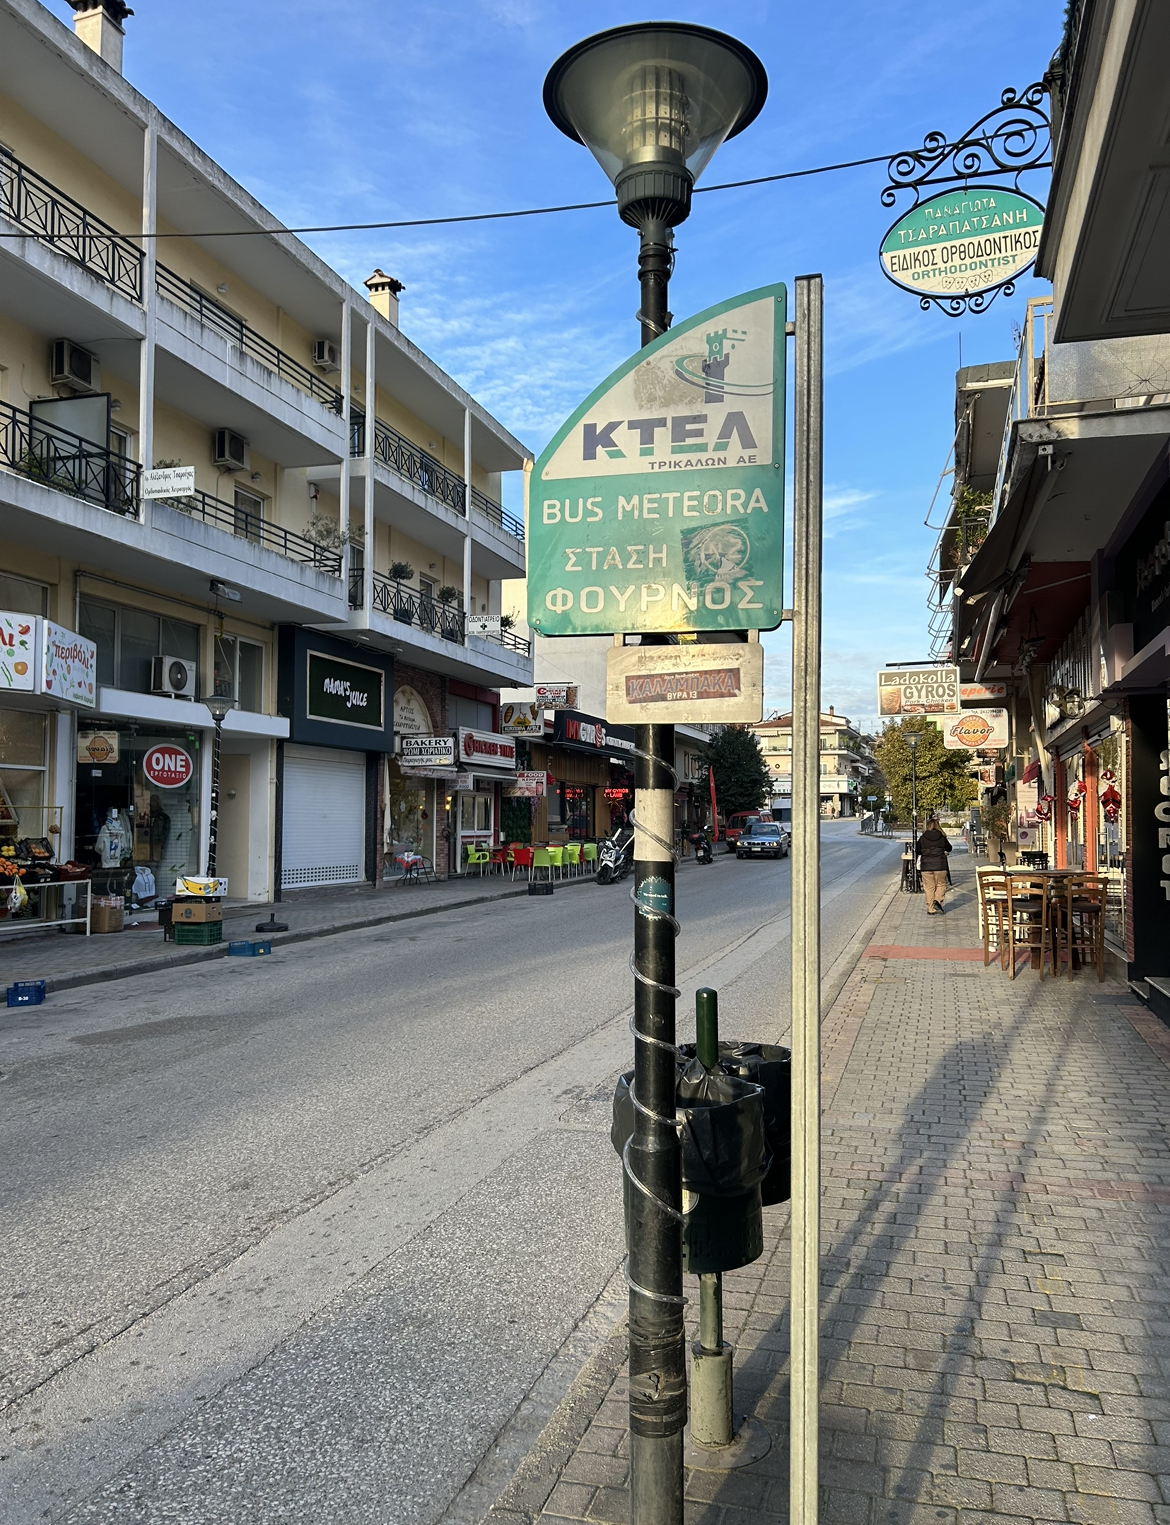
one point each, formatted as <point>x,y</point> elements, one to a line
<point>401,571</point>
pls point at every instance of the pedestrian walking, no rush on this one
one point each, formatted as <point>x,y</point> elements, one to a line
<point>933,848</point>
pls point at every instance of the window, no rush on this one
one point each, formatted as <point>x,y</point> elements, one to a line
<point>22,597</point>
<point>239,672</point>
<point>249,514</point>
<point>22,774</point>
<point>128,640</point>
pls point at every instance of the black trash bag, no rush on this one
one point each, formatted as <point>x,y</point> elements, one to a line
<point>722,1137</point>
<point>770,1066</point>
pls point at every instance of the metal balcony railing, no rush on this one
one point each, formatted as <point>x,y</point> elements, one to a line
<point>245,338</point>
<point>202,505</point>
<point>58,458</point>
<point>52,217</point>
<point>513,642</point>
<point>410,607</point>
<point>408,460</point>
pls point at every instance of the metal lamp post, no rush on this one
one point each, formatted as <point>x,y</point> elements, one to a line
<point>219,706</point>
<point>912,740</point>
<point>652,102</point>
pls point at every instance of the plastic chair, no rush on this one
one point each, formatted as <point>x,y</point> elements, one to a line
<point>520,857</point>
<point>556,857</point>
<point>478,856</point>
<point>573,856</point>
<point>541,860</point>
<point>589,856</point>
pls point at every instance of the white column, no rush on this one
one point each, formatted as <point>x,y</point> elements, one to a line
<point>64,785</point>
<point>467,507</point>
<point>368,563</point>
<point>343,480</point>
<point>149,263</point>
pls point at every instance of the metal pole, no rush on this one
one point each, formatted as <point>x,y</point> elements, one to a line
<point>803,1491</point>
<point>914,884</point>
<point>213,810</point>
<point>658,1372</point>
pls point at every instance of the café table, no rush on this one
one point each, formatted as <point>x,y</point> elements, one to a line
<point>1051,877</point>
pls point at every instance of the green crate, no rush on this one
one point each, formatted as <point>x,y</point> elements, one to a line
<point>199,935</point>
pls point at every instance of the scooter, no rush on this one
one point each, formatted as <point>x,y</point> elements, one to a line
<point>615,856</point>
<point>702,845</point>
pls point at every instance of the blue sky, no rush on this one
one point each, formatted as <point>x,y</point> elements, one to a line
<point>354,110</point>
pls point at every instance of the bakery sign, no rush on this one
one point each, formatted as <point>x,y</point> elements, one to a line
<point>427,752</point>
<point>486,749</point>
<point>919,691</point>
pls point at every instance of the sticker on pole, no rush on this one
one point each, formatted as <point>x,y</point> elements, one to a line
<point>659,505</point>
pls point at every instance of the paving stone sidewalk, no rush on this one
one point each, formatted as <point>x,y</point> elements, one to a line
<point>995,1230</point>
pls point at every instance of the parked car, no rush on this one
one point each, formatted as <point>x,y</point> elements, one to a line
<point>742,821</point>
<point>764,839</point>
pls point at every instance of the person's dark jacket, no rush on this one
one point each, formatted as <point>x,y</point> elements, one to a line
<point>933,848</point>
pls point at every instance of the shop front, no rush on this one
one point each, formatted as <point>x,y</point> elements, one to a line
<point>419,775</point>
<point>337,699</point>
<point>486,762</point>
<point>588,763</point>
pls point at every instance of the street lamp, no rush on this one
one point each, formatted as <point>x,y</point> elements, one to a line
<point>912,740</point>
<point>219,705</point>
<point>652,102</point>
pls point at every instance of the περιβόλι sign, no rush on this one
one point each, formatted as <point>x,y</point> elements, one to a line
<point>659,505</point>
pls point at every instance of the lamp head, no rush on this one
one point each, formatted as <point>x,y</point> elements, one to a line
<point>220,706</point>
<point>912,740</point>
<point>652,102</point>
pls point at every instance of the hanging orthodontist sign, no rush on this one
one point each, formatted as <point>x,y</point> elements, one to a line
<point>659,505</point>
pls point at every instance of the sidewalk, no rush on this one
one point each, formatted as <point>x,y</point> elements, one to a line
<point>995,1230</point>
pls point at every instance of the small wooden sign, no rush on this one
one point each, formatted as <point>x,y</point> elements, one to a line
<point>664,684</point>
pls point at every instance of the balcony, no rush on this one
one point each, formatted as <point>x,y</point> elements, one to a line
<point>60,459</point>
<point>414,465</point>
<point>408,606</point>
<point>245,338</point>
<point>288,543</point>
<point>48,215</point>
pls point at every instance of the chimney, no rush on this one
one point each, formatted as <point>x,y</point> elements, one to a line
<point>99,25</point>
<point>830,709</point>
<point>384,291</point>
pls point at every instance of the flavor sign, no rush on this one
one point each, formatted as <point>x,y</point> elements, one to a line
<point>659,505</point>
<point>963,242</point>
<point>17,652</point>
<point>975,729</point>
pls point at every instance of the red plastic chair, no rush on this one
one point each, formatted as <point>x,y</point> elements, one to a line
<point>520,857</point>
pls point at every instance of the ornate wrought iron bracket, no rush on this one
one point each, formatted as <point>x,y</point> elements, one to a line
<point>1014,137</point>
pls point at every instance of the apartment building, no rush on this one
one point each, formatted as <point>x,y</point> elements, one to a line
<point>847,764</point>
<point>1055,600</point>
<point>321,537</point>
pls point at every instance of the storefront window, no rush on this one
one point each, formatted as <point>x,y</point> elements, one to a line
<point>128,640</point>
<point>1111,827</point>
<point>141,809</point>
<point>408,817</point>
<point>570,809</point>
<point>475,812</point>
<point>1074,773</point>
<point>22,774</point>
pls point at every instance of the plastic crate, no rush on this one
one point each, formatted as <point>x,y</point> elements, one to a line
<point>252,949</point>
<point>26,993</point>
<point>197,935</point>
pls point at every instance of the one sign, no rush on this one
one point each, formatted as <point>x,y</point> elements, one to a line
<point>168,482</point>
<point>964,242</point>
<point>98,747</point>
<point>167,766</point>
<point>484,749</point>
<point>428,752</point>
<point>975,729</point>
<point>919,691</point>
<point>979,693</point>
<point>527,786</point>
<point>659,505</point>
<point>522,719</point>
<point>556,696</point>
<point>483,624</point>
<point>18,657</point>
<point>665,684</point>
<point>344,693</point>
<point>68,665</point>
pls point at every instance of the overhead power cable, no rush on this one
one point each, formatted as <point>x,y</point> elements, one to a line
<point>574,206</point>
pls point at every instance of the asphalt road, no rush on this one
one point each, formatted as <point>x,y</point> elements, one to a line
<point>298,1239</point>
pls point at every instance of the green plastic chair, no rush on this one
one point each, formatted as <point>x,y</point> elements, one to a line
<point>589,854</point>
<point>573,856</point>
<point>479,856</point>
<point>556,857</point>
<point>541,859</point>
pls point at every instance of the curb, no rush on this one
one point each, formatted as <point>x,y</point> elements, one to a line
<point>100,974</point>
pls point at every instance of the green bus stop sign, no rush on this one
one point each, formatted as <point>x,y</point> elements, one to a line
<point>659,505</point>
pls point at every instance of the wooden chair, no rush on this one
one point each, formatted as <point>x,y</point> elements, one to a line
<point>992,886</point>
<point>1078,914</point>
<point>1026,919</point>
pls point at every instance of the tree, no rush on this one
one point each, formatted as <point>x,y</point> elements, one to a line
<point>742,780</point>
<point>943,780</point>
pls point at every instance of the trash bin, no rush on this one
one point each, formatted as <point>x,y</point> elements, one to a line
<point>770,1066</point>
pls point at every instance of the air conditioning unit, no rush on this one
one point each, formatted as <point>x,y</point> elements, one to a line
<point>72,366</point>
<point>326,355</point>
<point>173,676</point>
<point>230,450</point>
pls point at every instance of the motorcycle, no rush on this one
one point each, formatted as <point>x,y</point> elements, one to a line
<point>615,856</point>
<point>702,846</point>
